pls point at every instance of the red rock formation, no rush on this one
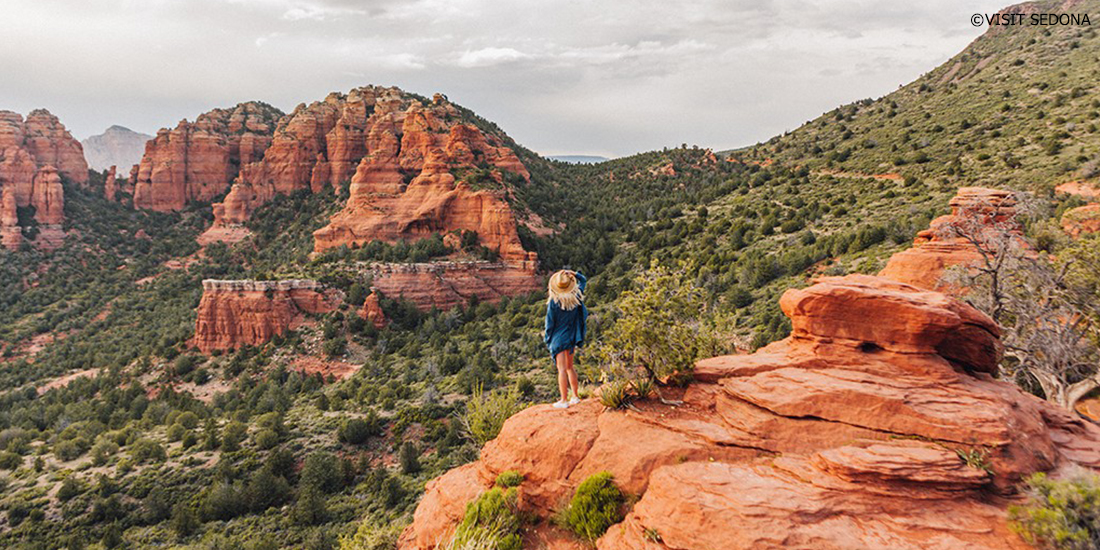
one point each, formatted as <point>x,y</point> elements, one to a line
<point>1081,220</point>
<point>237,313</point>
<point>110,186</point>
<point>372,311</point>
<point>940,247</point>
<point>34,157</point>
<point>197,161</point>
<point>52,145</point>
<point>845,435</point>
<point>444,285</point>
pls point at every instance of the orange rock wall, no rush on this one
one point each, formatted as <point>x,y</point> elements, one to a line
<point>197,161</point>
<point>444,285</point>
<point>232,314</point>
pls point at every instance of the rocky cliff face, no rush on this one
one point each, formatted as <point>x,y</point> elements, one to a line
<point>116,146</point>
<point>845,435</point>
<point>974,210</point>
<point>35,155</point>
<point>237,313</point>
<point>444,285</point>
<point>197,161</point>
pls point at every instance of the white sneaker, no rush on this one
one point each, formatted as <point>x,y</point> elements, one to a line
<point>575,400</point>
<point>561,405</point>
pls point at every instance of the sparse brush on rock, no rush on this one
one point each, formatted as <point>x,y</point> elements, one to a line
<point>595,506</point>
<point>491,522</point>
<point>486,413</point>
<point>509,478</point>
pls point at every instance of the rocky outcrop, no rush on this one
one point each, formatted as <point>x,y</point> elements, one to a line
<point>314,147</point>
<point>1081,220</point>
<point>47,140</point>
<point>851,433</point>
<point>116,146</point>
<point>426,144</point>
<point>198,160</point>
<point>232,314</point>
<point>444,285</point>
<point>34,157</point>
<point>974,211</point>
<point>110,185</point>
<point>372,311</point>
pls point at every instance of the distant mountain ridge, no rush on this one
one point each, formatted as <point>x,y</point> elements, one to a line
<point>579,159</point>
<point>116,146</point>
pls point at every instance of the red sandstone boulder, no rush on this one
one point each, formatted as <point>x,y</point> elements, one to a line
<point>237,313</point>
<point>1081,220</point>
<point>197,161</point>
<point>845,435</point>
<point>940,246</point>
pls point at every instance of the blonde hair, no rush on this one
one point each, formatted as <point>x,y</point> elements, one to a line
<point>564,290</point>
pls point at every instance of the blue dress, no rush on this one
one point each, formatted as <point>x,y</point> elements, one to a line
<point>566,330</point>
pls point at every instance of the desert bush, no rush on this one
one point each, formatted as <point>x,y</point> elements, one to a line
<point>144,450</point>
<point>595,507</point>
<point>614,395</point>
<point>509,479</point>
<point>486,413</point>
<point>491,522</point>
<point>359,430</point>
<point>1061,514</point>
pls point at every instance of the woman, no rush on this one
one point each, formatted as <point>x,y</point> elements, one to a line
<point>566,325</point>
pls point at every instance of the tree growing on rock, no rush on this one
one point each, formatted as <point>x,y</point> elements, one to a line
<point>1048,308</point>
<point>661,328</point>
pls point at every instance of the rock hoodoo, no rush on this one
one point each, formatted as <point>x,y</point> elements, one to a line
<point>110,185</point>
<point>198,160</point>
<point>35,155</point>
<point>372,311</point>
<point>939,247</point>
<point>848,434</point>
<point>237,313</point>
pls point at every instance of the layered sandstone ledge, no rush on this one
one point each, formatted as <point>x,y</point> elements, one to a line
<point>943,245</point>
<point>848,434</point>
<point>235,313</point>
<point>444,285</point>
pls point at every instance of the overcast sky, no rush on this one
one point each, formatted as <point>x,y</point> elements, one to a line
<point>606,77</point>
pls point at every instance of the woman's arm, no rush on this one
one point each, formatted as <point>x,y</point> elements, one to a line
<point>549,324</point>
<point>582,281</point>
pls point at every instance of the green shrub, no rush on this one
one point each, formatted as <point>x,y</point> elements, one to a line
<point>491,522</point>
<point>359,430</point>
<point>146,449</point>
<point>595,507</point>
<point>614,395</point>
<point>1061,514</point>
<point>486,413</point>
<point>10,460</point>
<point>509,479</point>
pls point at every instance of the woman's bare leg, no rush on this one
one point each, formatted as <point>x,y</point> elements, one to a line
<point>572,374</point>
<point>562,362</point>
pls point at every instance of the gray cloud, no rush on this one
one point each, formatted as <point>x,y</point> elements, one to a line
<point>562,76</point>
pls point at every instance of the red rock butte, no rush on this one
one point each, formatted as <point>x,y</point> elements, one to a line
<point>847,434</point>
<point>232,314</point>
<point>197,161</point>
<point>940,246</point>
<point>35,155</point>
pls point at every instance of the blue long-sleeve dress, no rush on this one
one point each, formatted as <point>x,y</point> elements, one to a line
<point>566,330</point>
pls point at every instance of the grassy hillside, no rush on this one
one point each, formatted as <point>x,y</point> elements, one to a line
<point>1018,108</point>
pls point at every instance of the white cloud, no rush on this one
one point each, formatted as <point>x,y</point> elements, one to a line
<point>486,57</point>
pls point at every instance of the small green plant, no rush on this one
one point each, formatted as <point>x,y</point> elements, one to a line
<point>652,535</point>
<point>1061,514</point>
<point>614,395</point>
<point>595,506</point>
<point>509,479</point>
<point>486,413</point>
<point>642,386</point>
<point>976,458</point>
<point>491,522</point>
